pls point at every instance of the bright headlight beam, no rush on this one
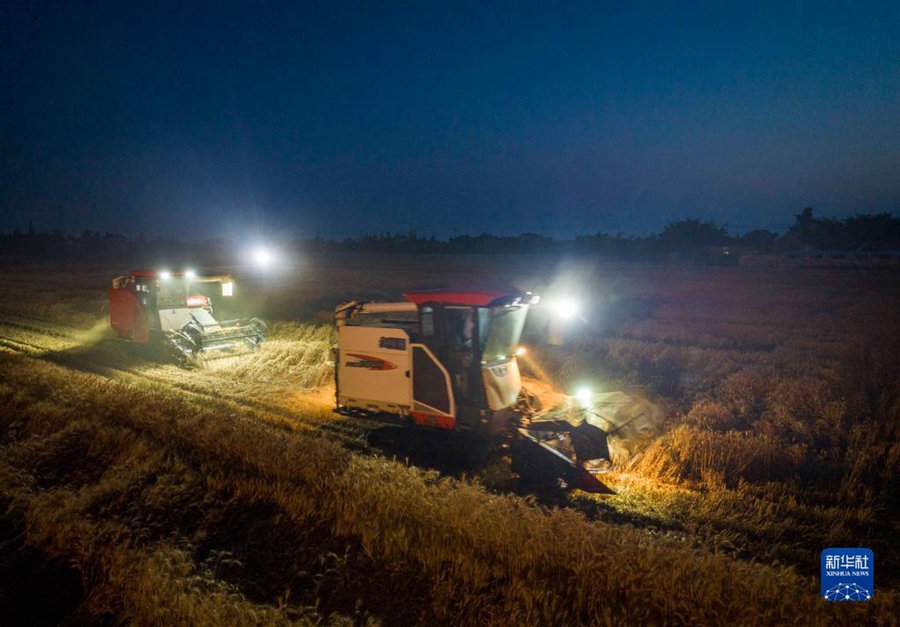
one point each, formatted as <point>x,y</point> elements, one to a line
<point>190,274</point>
<point>262,257</point>
<point>165,274</point>
<point>520,351</point>
<point>567,308</point>
<point>584,396</point>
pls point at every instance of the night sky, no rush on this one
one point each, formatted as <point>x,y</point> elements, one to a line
<point>221,119</point>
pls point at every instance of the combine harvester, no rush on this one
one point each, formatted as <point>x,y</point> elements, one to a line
<point>166,310</point>
<point>446,360</point>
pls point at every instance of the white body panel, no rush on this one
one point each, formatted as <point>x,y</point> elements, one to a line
<point>373,371</point>
<point>175,319</point>
<point>205,319</point>
<point>502,385</point>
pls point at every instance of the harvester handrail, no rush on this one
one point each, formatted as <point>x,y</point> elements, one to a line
<point>354,308</point>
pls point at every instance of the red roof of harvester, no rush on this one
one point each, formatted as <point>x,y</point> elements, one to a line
<point>476,298</point>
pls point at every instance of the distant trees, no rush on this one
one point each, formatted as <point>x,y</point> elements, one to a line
<point>759,238</point>
<point>691,239</point>
<point>852,233</point>
<point>691,234</point>
<point>878,228</point>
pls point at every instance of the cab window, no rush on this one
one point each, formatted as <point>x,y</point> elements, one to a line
<point>461,328</point>
<point>427,324</point>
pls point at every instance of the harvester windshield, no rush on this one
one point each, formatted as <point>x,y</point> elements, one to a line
<point>501,328</point>
<point>172,292</point>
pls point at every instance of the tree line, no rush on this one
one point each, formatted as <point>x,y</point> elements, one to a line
<point>688,239</point>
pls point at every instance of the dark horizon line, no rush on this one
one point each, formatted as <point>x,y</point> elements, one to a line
<point>418,236</point>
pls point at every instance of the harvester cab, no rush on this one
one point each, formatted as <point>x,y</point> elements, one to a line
<point>441,359</point>
<point>446,360</point>
<point>169,309</point>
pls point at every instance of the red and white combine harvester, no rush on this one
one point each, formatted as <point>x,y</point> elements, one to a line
<point>446,360</point>
<point>169,310</point>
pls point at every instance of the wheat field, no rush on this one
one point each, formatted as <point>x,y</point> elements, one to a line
<point>231,494</point>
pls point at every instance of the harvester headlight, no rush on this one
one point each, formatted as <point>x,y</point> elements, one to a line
<point>228,288</point>
<point>165,274</point>
<point>190,274</point>
<point>567,308</point>
<point>520,352</point>
<point>584,396</point>
<point>262,257</point>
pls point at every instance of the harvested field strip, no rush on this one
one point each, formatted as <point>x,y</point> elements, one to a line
<point>39,334</point>
<point>37,325</point>
<point>194,384</point>
<point>17,346</point>
<point>272,415</point>
<point>482,558</point>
